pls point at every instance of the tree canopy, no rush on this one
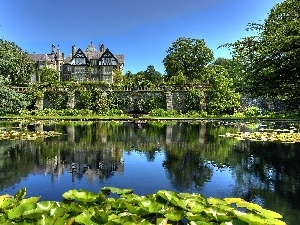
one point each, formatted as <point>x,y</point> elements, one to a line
<point>222,98</point>
<point>11,102</point>
<point>271,57</point>
<point>189,57</point>
<point>15,64</point>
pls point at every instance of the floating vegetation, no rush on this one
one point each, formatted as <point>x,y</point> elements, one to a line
<point>290,135</point>
<point>163,207</point>
<point>26,135</point>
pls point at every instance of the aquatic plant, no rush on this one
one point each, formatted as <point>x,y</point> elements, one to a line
<point>164,207</point>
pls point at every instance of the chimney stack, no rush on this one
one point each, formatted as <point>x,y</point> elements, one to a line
<point>73,50</point>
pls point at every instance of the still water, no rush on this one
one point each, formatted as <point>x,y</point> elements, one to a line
<point>147,157</point>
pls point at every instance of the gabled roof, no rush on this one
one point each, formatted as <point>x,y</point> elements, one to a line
<point>79,54</point>
<point>42,57</point>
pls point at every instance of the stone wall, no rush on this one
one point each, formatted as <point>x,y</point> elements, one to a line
<point>143,99</point>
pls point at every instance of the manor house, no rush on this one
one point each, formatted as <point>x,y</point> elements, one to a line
<point>88,65</point>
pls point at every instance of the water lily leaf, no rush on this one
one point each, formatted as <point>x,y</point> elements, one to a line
<point>81,195</point>
<point>233,200</point>
<point>175,216</point>
<point>30,200</point>
<point>44,205</point>
<point>249,218</point>
<point>7,203</point>
<point>33,214</point>
<point>169,196</point>
<point>84,218</point>
<point>199,223</point>
<point>269,214</point>
<point>19,210</point>
<point>57,211</point>
<point>151,206</point>
<point>20,195</point>
<point>195,217</point>
<point>117,190</point>
<point>216,201</point>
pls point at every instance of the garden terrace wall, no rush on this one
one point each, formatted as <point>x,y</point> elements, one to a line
<point>126,98</point>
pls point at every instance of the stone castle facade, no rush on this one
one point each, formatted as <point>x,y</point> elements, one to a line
<point>88,65</point>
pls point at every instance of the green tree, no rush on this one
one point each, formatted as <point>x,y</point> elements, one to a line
<point>190,56</point>
<point>15,64</point>
<point>235,71</point>
<point>271,57</point>
<point>152,75</point>
<point>49,75</point>
<point>222,98</point>
<point>11,102</point>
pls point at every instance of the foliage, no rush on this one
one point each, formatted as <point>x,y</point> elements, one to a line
<point>222,98</point>
<point>178,79</point>
<point>15,64</point>
<point>49,75</point>
<point>189,56</point>
<point>252,111</point>
<point>235,72</point>
<point>164,207</point>
<point>57,99</point>
<point>58,112</point>
<point>163,113</point>
<point>192,100</point>
<point>152,75</point>
<point>84,99</point>
<point>11,102</point>
<point>271,56</point>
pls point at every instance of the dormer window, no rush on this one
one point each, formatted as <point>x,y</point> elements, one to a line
<point>79,61</point>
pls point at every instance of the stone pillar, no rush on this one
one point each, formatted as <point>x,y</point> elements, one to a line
<point>39,104</point>
<point>169,100</point>
<point>71,133</point>
<point>202,103</point>
<point>169,134</point>
<point>71,100</point>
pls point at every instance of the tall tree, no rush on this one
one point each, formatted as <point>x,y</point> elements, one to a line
<point>271,58</point>
<point>222,97</point>
<point>190,56</point>
<point>235,72</point>
<point>15,64</point>
<point>152,75</point>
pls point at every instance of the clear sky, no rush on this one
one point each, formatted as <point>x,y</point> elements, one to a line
<point>140,30</point>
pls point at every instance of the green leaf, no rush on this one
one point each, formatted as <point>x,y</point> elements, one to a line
<point>44,205</point>
<point>7,203</point>
<point>20,195</point>
<point>30,200</point>
<point>81,195</point>
<point>169,196</point>
<point>33,214</point>
<point>175,216</point>
<point>19,210</point>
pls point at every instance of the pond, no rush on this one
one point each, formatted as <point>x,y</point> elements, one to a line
<point>147,157</point>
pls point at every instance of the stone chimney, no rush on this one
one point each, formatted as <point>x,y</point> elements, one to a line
<point>102,48</point>
<point>73,50</point>
<point>53,49</point>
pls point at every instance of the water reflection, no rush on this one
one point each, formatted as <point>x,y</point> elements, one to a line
<point>184,157</point>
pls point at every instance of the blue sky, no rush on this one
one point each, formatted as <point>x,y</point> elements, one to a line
<point>141,30</point>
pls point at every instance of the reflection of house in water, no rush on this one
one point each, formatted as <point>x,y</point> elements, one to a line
<point>92,164</point>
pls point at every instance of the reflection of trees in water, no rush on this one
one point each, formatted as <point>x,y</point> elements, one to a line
<point>16,161</point>
<point>268,169</point>
<point>186,169</point>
